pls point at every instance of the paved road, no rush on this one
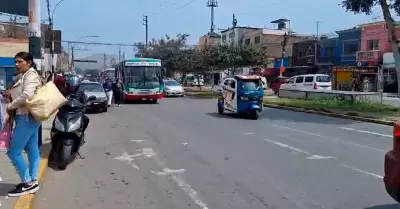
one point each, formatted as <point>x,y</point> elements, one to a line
<point>180,154</point>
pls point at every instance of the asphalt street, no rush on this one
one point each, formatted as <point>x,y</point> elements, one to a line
<point>180,154</point>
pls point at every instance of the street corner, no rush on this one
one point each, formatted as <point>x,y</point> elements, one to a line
<point>26,201</point>
<point>331,114</point>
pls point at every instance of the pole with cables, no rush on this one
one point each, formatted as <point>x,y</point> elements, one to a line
<point>34,42</point>
<point>146,24</point>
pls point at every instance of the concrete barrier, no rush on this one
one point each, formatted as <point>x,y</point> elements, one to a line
<point>374,97</point>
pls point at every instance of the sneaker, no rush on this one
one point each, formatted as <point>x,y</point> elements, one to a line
<point>23,189</point>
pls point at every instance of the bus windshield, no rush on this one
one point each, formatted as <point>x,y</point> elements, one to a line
<point>142,77</point>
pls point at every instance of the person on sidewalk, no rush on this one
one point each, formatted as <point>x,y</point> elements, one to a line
<point>25,134</point>
<point>118,92</point>
<point>108,88</point>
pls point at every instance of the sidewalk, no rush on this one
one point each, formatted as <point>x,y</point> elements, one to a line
<point>8,176</point>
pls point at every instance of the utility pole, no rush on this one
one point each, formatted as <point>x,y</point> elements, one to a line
<point>34,42</point>
<point>212,4</point>
<point>318,22</point>
<point>119,55</point>
<point>105,61</point>
<point>146,24</point>
<point>284,42</point>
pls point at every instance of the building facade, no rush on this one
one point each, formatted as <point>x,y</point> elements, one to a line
<point>209,40</point>
<point>348,45</point>
<point>235,35</point>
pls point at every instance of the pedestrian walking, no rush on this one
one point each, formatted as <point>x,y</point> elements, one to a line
<point>118,92</point>
<point>25,134</point>
<point>108,88</point>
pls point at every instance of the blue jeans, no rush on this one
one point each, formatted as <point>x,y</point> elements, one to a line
<point>25,137</point>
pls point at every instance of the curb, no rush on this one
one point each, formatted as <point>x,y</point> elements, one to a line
<point>336,115</point>
<point>26,201</point>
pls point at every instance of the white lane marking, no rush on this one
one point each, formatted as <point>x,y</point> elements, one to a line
<point>137,141</point>
<point>329,138</point>
<point>366,132</point>
<point>130,159</point>
<point>167,171</point>
<point>310,155</point>
<point>362,171</point>
<point>189,191</point>
<point>176,174</point>
<point>249,133</point>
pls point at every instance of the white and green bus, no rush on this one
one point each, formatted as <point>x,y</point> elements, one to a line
<point>142,78</point>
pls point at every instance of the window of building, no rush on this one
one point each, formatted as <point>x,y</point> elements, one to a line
<point>373,44</point>
<point>247,41</point>
<point>232,34</point>
<point>350,48</point>
<point>257,40</point>
<point>329,51</point>
<point>224,38</point>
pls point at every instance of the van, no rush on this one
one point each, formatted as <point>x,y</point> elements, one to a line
<point>309,82</point>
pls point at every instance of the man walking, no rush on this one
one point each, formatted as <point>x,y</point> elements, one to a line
<point>108,88</point>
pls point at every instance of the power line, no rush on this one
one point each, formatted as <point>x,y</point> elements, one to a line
<point>252,10</point>
<point>98,43</point>
<point>184,5</point>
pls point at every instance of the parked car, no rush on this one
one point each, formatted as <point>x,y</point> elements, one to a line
<point>392,166</point>
<point>278,82</point>
<point>95,89</point>
<point>309,82</point>
<point>173,88</point>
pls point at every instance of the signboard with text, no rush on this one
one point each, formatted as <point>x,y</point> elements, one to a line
<point>374,55</point>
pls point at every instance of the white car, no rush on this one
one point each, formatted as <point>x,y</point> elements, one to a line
<point>309,82</point>
<point>173,88</point>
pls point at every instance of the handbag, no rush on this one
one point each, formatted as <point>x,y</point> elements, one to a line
<point>45,102</point>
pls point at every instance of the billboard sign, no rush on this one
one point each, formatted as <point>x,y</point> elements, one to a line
<point>15,7</point>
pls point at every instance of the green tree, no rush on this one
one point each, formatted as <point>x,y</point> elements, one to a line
<point>365,6</point>
<point>168,49</point>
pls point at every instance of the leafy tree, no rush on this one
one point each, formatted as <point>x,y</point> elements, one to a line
<point>167,49</point>
<point>365,6</point>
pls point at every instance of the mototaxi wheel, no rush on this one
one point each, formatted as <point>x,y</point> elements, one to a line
<point>254,115</point>
<point>65,156</point>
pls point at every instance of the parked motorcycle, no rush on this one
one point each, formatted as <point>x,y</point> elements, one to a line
<point>67,134</point>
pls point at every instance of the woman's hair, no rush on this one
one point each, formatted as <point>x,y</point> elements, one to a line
<point>27,57</point>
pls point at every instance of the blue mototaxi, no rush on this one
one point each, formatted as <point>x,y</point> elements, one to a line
<point>242,94</point>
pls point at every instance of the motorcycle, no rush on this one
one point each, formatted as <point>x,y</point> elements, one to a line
<point>67,135</point>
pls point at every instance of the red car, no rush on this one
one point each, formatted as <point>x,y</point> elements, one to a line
<point>392,166</point>
<point>277,83</point>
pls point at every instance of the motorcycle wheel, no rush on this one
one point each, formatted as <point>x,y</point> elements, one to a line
<point>65,156</point>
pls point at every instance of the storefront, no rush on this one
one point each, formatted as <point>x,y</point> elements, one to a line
<point>352,78</point>
<point>6,71</point>
<point>389,73</point>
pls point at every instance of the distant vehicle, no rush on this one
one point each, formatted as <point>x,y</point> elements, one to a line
<point>95,89</point>
<point>276,85</point>
<point>193,80</point>
<point>142,78</point>
<point>309,82</point>
<point>173,88</point>
<point>107,73</point>
<point>392,166</point>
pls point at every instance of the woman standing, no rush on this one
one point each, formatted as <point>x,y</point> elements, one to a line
<point>118,92</point>
<point>25,135</point>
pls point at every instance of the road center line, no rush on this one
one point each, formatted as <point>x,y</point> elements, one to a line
<point>362,171</point>
<point>328,138</point>
<point>366,132</point>
<point>310,155</point>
